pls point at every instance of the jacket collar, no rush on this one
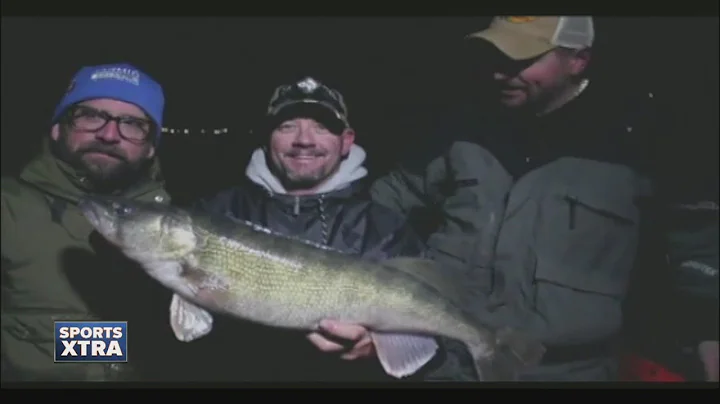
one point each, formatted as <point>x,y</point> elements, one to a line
<point>59,179</point>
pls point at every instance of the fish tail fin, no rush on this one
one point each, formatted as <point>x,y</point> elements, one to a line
<point>513,352</point>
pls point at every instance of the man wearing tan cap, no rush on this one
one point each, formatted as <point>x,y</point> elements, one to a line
<point>541,200</point>
<point>547,59</point>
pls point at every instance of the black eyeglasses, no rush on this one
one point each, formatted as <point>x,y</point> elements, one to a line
<point>92,120</point>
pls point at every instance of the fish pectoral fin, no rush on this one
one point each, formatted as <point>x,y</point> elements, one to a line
<point>188,321</point>
<point>402,355</point>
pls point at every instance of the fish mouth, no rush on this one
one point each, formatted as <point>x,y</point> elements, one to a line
<point>98,214</point>
<point>89,209</point>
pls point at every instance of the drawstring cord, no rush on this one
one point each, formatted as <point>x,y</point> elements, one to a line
<point>323,216</point>
<point>323,220</point>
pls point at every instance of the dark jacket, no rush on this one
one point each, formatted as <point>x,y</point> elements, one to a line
<point>343,218</point>
<point>53,269</point>
<point>543,215</point>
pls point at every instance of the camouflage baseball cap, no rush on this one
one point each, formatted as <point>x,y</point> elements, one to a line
<point>309,97</point>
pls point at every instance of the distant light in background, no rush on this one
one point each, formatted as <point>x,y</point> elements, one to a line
<point>173,131</point>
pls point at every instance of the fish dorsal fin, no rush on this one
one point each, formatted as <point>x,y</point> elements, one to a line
<point>430,273</point>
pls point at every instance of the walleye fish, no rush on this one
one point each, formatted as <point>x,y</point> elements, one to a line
<point>216,264</point>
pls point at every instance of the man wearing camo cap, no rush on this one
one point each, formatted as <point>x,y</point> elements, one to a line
<point>306,180</point>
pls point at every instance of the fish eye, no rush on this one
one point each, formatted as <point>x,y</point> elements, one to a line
<point>121,210</point>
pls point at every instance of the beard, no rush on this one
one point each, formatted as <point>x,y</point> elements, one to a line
<point>292,180</point>
<point>117,173</point>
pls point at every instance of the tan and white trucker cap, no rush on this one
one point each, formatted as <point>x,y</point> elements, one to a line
<point>526,37</point>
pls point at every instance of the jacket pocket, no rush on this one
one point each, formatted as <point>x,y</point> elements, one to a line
<point>458,253</point>
<point>28,349</point>
<point>588,237</point>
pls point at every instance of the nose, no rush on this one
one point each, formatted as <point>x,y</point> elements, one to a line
<point>304,136</point>
<point>110,133</point>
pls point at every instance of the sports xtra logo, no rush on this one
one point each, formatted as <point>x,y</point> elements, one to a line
<point>91,341</point>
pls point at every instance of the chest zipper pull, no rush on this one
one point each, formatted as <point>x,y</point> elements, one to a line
<point>296,207</point>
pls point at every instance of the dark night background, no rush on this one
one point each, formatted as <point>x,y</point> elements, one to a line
<point>220,73</point>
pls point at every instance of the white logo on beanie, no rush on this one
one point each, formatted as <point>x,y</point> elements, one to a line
<point>126,74</point>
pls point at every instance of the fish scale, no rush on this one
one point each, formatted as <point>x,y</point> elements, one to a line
<point>330,285</point>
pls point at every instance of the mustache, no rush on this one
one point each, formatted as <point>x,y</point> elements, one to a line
<point>100,148</point>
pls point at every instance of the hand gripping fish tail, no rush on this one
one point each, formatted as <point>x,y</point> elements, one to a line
<point>218,265</point>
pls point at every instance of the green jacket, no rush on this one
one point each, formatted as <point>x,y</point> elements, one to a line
<point>549,246</point>
<point>51,272</point>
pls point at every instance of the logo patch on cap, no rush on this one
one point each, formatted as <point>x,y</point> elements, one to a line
<point>131,76</point>
<point>520,19</point>
<point>308,85</point>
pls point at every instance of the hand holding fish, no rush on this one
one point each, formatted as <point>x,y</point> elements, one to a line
<point>358,335</point>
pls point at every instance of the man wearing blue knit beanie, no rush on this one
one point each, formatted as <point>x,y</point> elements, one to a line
<point>107,125</point>
<point>103,139</point>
